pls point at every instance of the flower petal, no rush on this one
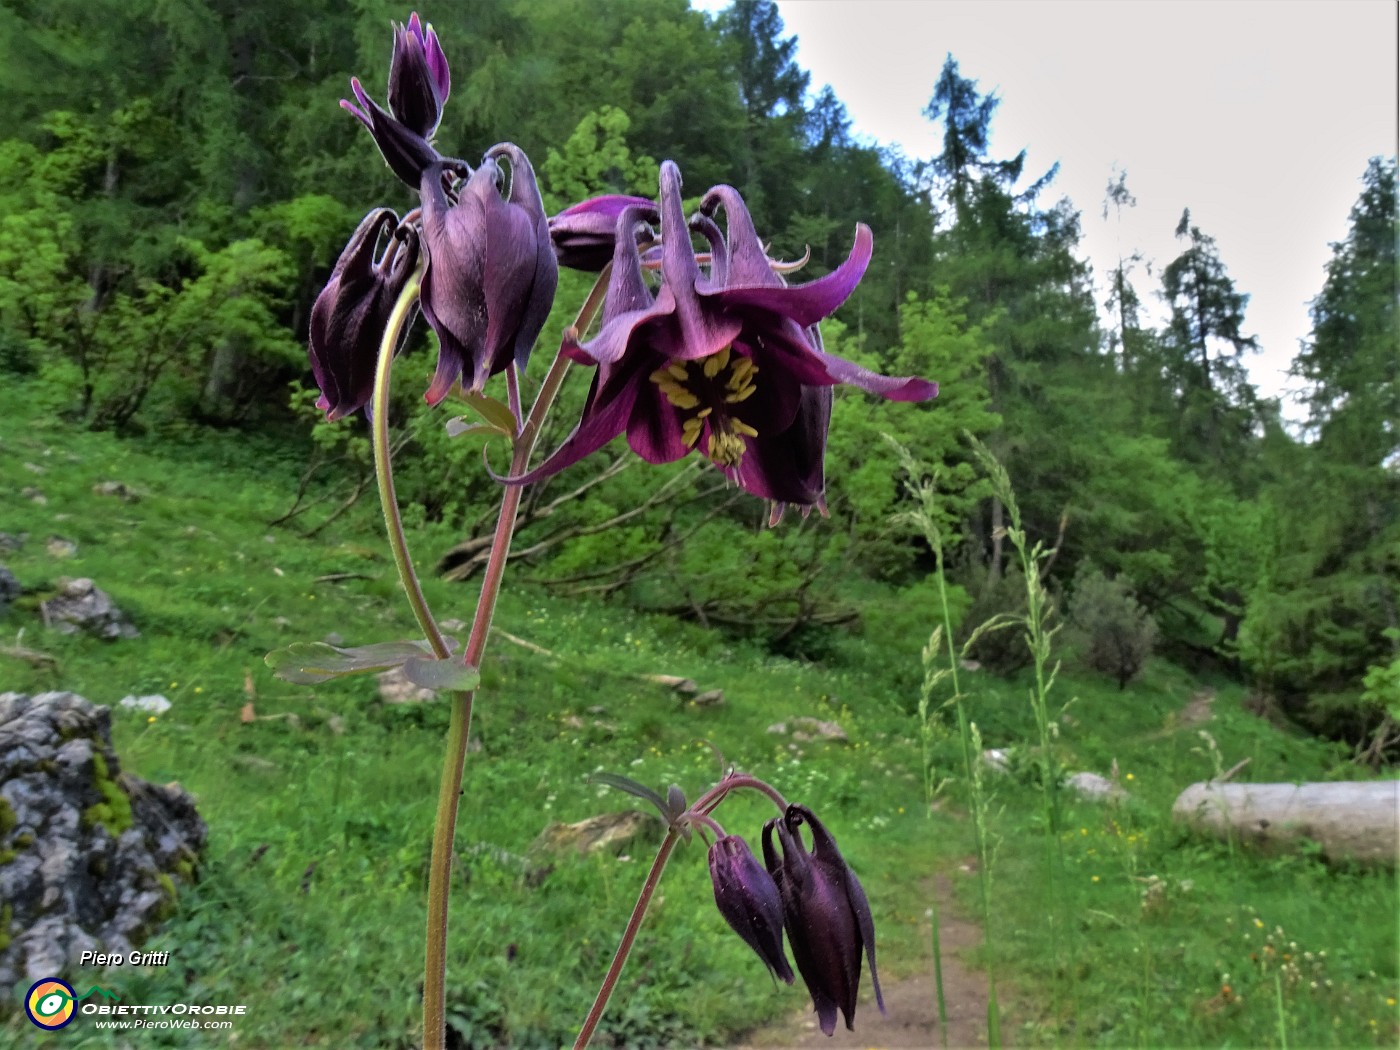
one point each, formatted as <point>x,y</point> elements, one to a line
<point>525,198</point>
<point>788,467</point>
<point>606,411</point>
<point>585,234</point>
<point>654,429</point>
<point>701,331</point>
<point>407,153</point>
<point>807,303</point>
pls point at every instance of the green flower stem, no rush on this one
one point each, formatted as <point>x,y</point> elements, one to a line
<point>440,873</point>
<point>458,733</point>
<point>440,866</point>
<point>629,937</point>
<point>459,728</point>
<point>393,522</point>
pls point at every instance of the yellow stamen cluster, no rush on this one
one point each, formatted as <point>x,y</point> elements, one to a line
<point>726,446</point>
<point>671,380</point>
<point>676,381</point>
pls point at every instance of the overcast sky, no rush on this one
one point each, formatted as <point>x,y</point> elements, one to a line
<point>1259,117</point>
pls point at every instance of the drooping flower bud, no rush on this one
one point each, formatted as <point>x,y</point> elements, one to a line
<point>419,83</point>
<point>585,234</point>
<point>407,153</point>
<point>350,315</point>
<point>419,80</point>
<point>491,271</point>
<point>748,899</point>
<point>825,913</point>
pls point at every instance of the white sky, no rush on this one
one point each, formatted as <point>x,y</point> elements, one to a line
<point>1258,116</point>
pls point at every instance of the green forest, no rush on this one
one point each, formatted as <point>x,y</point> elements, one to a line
<point>1134,521</point>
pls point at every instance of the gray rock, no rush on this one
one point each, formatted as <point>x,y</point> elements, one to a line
<point>997,759</point>
<point>607,832</point>
<point>709,698</point>
<point>117,489</point>
<point>155,704</point>
<point>81,606</point>
<point>1095,788</point>
<point>88,853</point>
<point>10,543</point>
<point>395,688</point>
<point>804,730</point>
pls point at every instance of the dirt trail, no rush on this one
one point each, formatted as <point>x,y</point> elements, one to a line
<point>911,1005</point>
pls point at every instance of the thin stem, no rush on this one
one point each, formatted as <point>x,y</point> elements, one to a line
<point>513,393</point>
<point>388,501</point>
<point>459,726</point>
<point>709,822</point>
<point>440,873</point>
<point>629,936</point>
<point>712,798</point>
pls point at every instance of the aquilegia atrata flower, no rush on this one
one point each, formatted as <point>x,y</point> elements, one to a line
<point>419,83</point>
<point>825,913</point>
<point>748,899</point>
<point>491,270</point>
<point>585,234</point>
<point>350,315</point>
<point>724,361</point>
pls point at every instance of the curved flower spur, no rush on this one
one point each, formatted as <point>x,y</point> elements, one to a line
<point>725,361</point>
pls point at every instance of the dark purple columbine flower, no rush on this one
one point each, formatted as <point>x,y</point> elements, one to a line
<point>491,271</point>
<point>825,914</point>
<point>350,315</point>
<point>585,234</point>
<point>419,81</point>
<point>724,361</point>
<point>748,899</point>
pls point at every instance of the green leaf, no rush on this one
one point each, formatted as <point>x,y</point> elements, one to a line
<point>450,673</point>
<point>458,426</point>
<point>494,412</point>
<point>307,663</point>
<point>627,784</point>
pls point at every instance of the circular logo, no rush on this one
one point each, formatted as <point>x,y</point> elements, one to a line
<point>50,1003</point>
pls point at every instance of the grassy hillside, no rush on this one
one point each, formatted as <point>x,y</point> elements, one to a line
<point>309,907</point>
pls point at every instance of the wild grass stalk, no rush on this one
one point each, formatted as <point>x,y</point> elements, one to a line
<point>924,520</point>
<point>1039,636</point>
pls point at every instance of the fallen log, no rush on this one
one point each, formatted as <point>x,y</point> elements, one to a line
<point>1350,820</point>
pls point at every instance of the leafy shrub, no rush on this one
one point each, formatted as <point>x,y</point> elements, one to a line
<point>1115,634</point>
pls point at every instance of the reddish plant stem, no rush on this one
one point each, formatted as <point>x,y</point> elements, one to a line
<point>629,936</point>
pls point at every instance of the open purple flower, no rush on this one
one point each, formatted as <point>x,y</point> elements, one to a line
<point>723,361</point>
<point>825,913</point>
<point>349,316</point>
<point>419,83</point>
<point>491,270</point>
<point>419,80</point>
<point>748,899</point>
